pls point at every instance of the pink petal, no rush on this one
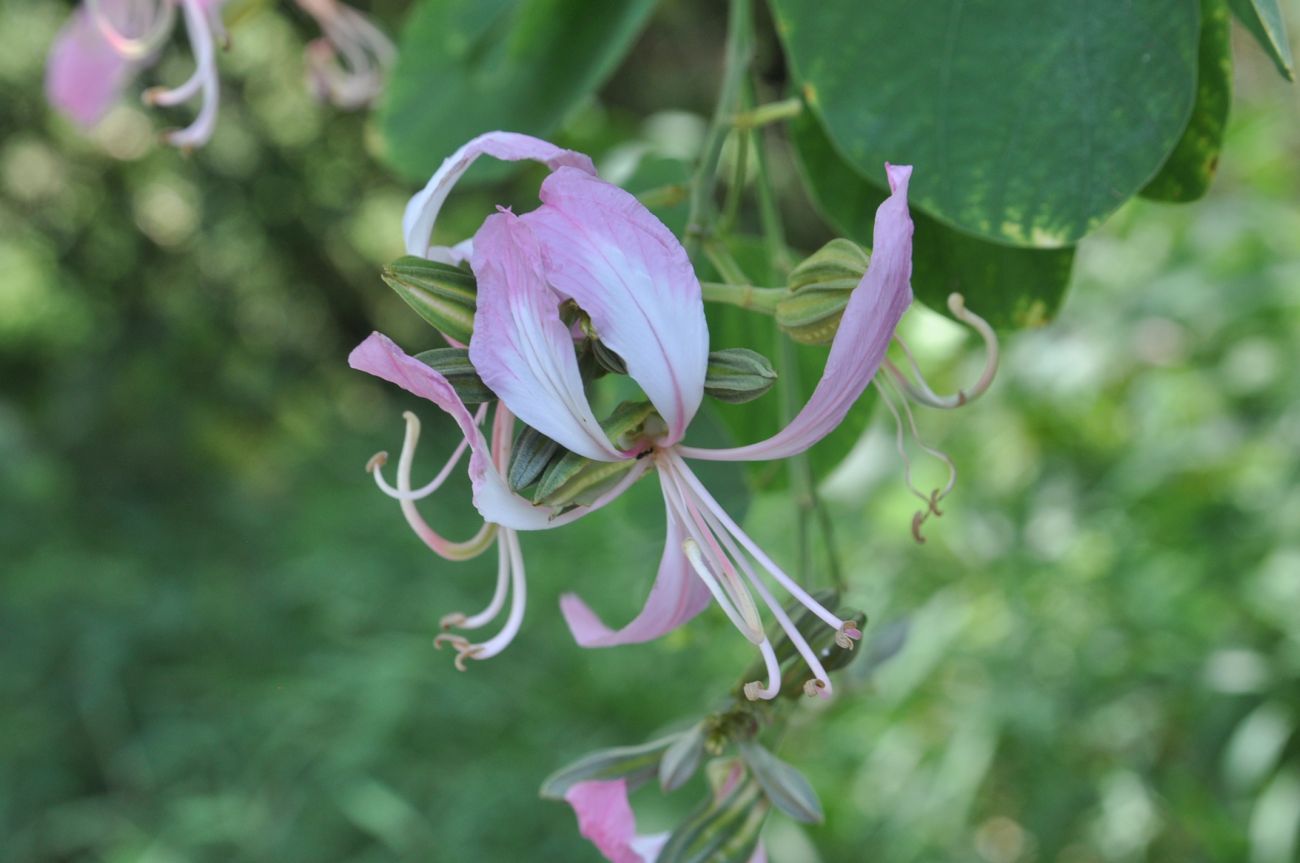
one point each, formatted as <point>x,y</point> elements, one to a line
<point>606,251</point>
<point>605,817</point>
<point>422,211</point>
<point>495,501</point>
<point>521,348</point>
<point>868,324</point>
<point>677,596</point>
<point>84,75</point>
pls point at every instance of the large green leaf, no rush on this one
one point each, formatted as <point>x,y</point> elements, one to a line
<point>1008,286</point>
<point>471,66</point>
<point>1028,121</point>
<point>1187,173</point>
<point>1263,18</point>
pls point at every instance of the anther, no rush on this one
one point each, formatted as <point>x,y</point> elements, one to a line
<point>459,642</point>
<point>814,688</point>
<point>467,652</point>
<point>377,461</point>
<point>847,634</point>
<point>753,690</point>
<point>453,620</point>
<point>918,519</point>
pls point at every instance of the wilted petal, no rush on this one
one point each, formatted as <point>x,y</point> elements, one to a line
<point>84,75</point>
<point>676,597</point>
<point>605,818</point>
<point>379,356</point>
<point>521,348</point>
<point>422,211</point>
<point>868,324</point>
<point>627,271</point>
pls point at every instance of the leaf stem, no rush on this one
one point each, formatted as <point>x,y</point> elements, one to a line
<point>772,112</point>
<point>740,40</point>
<point>744,296</point>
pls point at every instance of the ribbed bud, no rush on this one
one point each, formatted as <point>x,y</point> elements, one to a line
<point>819,290</point>
<point>454,365</point>
<point>738,375</point>
<point>575,479</point>
<point>443,295</point>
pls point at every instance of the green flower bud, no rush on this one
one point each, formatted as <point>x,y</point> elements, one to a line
<point>738,375</point>
<point>819,290</point>
<point>454,365</point>
<point>443,295</point>
<point>575,479</point>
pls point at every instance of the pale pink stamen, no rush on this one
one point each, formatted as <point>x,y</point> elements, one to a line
<point>199,26</point>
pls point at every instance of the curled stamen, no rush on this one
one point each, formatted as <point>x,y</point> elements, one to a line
<point>816,688</point>
<point>409,442</point>
<point>932,499</point>
<point>920,390</point>
<point>459,642</point>
<point>755,690</point>
<point>199,26</point>
<point>158,27</point>
<point>483,618</point>
<point>473,651</point>
<point>348,66</point>
<point>847,634</point>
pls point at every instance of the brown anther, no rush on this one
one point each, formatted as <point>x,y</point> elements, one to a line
<point>934,503</point>
<point>752,690</point>
<point>918,519</point>
<point>845,635</point>
<point>814,687</point>
<point>453,620</point>
<point>459,642</point>
<point>377,461</point>
<point>467,652</point>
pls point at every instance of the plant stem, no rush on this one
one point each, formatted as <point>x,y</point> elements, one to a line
<point>772,112</point>
<point>740,39</point>
<point>744,296</point>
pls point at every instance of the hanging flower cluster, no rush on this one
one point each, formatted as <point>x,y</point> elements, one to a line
<point>106,43</point>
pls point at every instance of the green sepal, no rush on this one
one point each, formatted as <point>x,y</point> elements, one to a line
<point>445,296</point>
<point>533,452</point>
<point>738,375</point>
<point>721,829</point>
<point>682,759</point>
<point>787,788</point>
<point>636,764</point>
<point>454,365</point>
<point>575,480</point>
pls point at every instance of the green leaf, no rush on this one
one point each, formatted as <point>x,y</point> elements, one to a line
<point>1187,173</point>
<point>1263,18</point>
<point>466,67</point>
<point>636,764</point>
<point>1028,121</point>
<point>785,786</point>
<point>1007,286</point>
<point>722,829</point>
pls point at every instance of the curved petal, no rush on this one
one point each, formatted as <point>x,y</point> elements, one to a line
<point>877,304</point>
<point>607,252</point>
<point>605,818</point>
<point>84,75</point>
<point>422,210</point>
<point>521,348</point>
<point>496,502</point>
<point>677,596</point>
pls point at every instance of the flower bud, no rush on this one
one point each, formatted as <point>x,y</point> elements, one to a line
<point>454,365</point>
<point>443,295</point>
<point>819,290</point>
<point>738,375</point>
<point>575,479</point>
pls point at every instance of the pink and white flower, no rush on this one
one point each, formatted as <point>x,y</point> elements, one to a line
<point>348,65</point>
<point>594,244</point>
<point>107,42</point>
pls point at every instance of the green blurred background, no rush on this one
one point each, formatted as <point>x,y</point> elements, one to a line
<point>216,634</point>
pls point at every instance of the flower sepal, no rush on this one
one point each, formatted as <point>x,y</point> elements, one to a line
<point>635,764</point>
<point>445,296</point>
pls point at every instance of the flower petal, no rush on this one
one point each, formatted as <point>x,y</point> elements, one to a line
<point>494,499</point>
<point>677,596</point>
<point>520,347</point>
<point>84,75</point>
<point>605,817</point>
<point>868,324</point>
<point>422,211</point>
<point>606,251</point>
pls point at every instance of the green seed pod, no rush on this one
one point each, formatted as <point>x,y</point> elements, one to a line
<point>819,290</point>
<point>443,295</point>
<point>454,365</point>
<point>738,375</point>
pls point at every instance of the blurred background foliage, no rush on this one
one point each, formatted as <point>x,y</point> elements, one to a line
<point>215,633</point>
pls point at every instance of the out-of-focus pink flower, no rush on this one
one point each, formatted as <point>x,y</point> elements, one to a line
<point>348,65</point>
<point>605,818</point>
<point>594,244</point>
<point>106,42</point>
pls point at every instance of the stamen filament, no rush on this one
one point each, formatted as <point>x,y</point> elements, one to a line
<point>920,391</point>
<point>518,601</point>
<point>483,618</point>
<point>375,465</point>
<point>200,30</point>
<point>135,47</point>
<point>754,690</point>
<point>691,548</point>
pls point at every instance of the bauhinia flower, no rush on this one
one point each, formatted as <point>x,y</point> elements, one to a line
<point>606,819</point>
<point>107,42</point>
<point>347,66</point>
<point>593,245</point>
